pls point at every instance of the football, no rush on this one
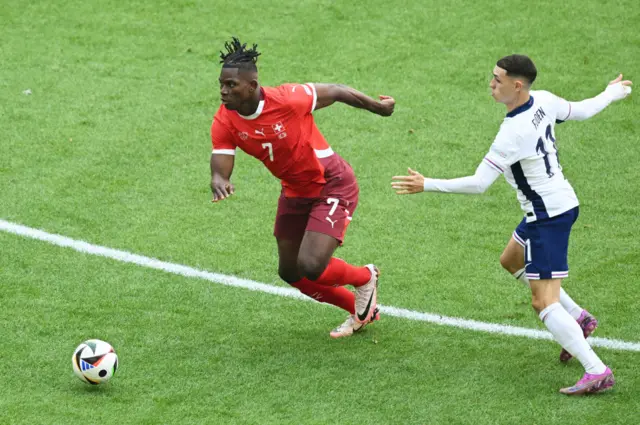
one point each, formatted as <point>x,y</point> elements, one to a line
<point>94,361</point>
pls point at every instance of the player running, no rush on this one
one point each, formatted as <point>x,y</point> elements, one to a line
<point>525,151</point>
<point>319,189</point>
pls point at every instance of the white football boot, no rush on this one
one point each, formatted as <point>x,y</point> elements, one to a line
<point>351,326</point>
<point>367,296</point>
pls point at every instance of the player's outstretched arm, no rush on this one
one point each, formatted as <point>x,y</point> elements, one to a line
<point>328,94</point>
<point>475,184</point>
<point>221,169</point>
<point>616,90</point>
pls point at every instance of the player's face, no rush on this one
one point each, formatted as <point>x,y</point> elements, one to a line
<point>236,88</point>
<point>503,87</point>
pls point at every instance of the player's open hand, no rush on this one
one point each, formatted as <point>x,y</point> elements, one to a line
<point>405,185</point>
<point>618,89</point>
<point>387,105</point>
<point>221,189</point>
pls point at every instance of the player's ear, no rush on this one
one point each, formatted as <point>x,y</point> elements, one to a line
<point>253,85</point>
<point>518,85</point>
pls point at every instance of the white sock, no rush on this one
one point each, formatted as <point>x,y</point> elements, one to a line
<point>567,302</point>
<point>570,305</point>
<point>569,334</point>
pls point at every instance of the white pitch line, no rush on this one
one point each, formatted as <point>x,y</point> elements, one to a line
<point>153,263</point>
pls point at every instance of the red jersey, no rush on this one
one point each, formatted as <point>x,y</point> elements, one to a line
<point>282,134</point>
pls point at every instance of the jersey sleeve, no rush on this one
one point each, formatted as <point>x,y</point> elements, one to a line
<point>221,139</point>
<point>561,107</point>
<point>484,177</point>
<point>504,151</point>
<point>302,97</point>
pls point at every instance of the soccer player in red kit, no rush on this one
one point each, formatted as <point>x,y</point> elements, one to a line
<point>319,189</point>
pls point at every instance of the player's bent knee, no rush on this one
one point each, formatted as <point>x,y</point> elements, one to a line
<point>507,262</point>
<point>539,303</point>
<point>311,267</point>
<point>504,261</point>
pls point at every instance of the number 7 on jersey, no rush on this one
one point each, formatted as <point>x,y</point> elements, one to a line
<point>270,147</point>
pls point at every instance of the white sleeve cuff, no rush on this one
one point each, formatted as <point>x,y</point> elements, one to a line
<point>315,96</point>
<point>224,151</point>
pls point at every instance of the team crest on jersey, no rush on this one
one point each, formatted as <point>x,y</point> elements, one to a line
<point>278,129</point>
<point>243,135</point>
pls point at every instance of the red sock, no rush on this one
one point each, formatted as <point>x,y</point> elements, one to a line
<point>338,296</point>
<point>340,273</point>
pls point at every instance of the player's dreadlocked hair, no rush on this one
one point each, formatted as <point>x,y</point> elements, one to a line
<point>238,56</point>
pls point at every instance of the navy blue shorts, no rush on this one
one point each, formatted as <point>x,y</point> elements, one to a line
<point>546,243</point>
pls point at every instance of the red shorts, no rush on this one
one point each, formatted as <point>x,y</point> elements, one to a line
<point>330,213</point>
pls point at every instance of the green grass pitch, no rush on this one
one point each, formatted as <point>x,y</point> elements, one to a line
<point>112,147</point>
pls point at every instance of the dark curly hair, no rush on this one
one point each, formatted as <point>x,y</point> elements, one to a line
<point>239,56</point>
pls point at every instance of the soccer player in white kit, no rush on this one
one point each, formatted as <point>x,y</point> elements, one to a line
<point>525,151</point>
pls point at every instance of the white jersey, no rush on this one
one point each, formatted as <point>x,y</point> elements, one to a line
<point>525,151</point>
